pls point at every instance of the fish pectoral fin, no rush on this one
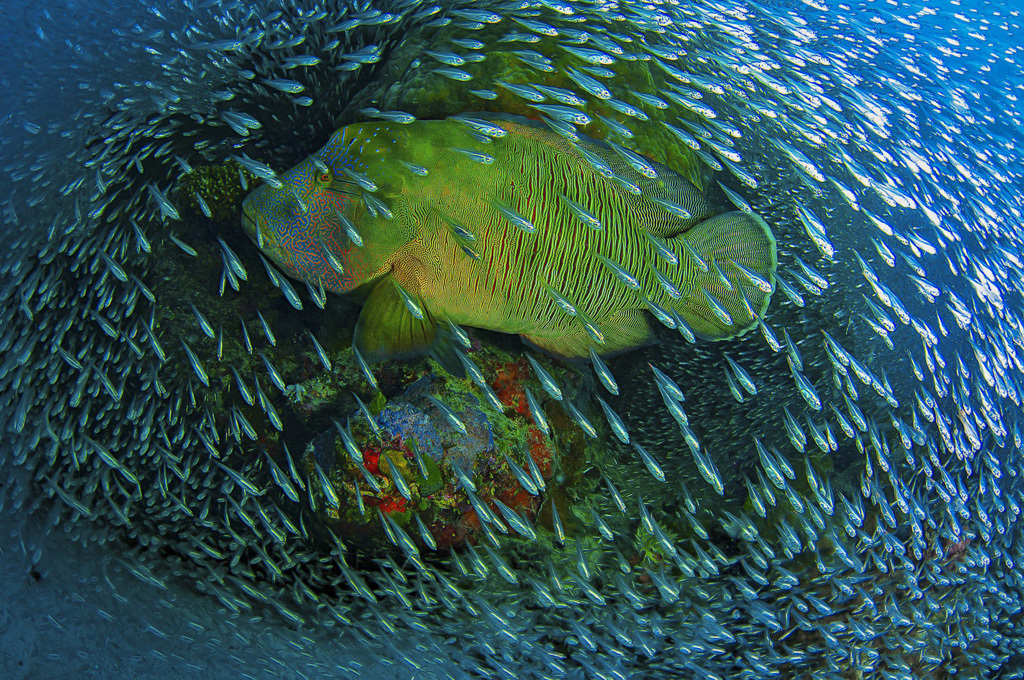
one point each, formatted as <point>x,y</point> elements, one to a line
<point>387,328</point>
<point>625,330</point>
<point>721,241</point>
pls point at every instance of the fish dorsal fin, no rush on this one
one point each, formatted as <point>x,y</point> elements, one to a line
<point>387,329</point>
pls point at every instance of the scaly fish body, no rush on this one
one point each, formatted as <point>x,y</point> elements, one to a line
<point>450,246</point>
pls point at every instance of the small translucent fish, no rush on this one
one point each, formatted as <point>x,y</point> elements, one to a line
<point>742,376</point>
<point>350,230</point>
<point>739,173</point>
<point>546,381</point>
<point>425,535</point>
<point>417,455</point>
<point>535,60</point>
<point>582,214</point>
<point>259,169</point>
<point>695,256</point>
<point>716,307</point>
<point>284,85</point>
<point>707,469</point>
<point>481,126</point>
<point>233,261</point>
<point>537,412</point>
<point>326,487</point>
<point>759,281</point>
<point>266,329</point>
<point>396,477</point>
<point>683,136</point>
<point>563,113</point>
<point>667,384</point>
<point>478,156</point>
<point>275,377</point>
<point>736,199</point>
<point>807,390</point>
<point>286,288</point>
<point>620,272</point>
<point>617,127</point>
<point>186,248</point>
<point>603,373</point>
<point>524,91</point>
<point>515,218</point>
<point>662,248</point>
<point>364,368</point>
<point>243,389</point>
<point>652,465</point>
<point>489,95</point>
<point>794,296</point>
<point>595,161</point>
<point>167,209</point>
<point>116,269</point>
<point>197,366</point>
<point>561,95</point>
<point>614,421</point>
<point>635,161</point>
<point>370,420</point>
<point>733,389</point>
<point>562,128</point>
<point>580,419</point>
<point>321,354</point>
<point>376,206</point>
<point>525,479</point>
<point>333,260</point>
<point>183,164</point>
<point>672,207</point>
<point>140,237</point>
<point>799,159</point>
<point>589,55</point>
<point>668,286</point>
<point>349,443</point>
<point>720,275</point>
<point>766,331</point>
<point>448,414</point>
<point>556,523</point>
<point>300,60</point>
<point>411,304</point>
<point>626,109</point>
<point>280,478</point>
<point>204,325</point>
<point>659,312</point>
<point>400,117</point>
<point>651,100</point>
<point>453,74</point>
<point>589,83</point>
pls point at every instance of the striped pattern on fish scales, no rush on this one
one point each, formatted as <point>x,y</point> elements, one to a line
<point>451,249</point>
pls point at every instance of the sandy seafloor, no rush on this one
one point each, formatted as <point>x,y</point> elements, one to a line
<point>51,626</point>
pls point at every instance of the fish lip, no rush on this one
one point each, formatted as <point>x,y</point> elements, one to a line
<point>249,222</point>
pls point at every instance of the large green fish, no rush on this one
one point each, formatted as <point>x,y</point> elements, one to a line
<point>503,225</point>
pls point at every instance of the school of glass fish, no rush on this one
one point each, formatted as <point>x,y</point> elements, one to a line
<point>834,494</point>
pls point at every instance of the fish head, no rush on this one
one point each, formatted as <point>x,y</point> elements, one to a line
<point>293,221</point>
<point>312,221</point>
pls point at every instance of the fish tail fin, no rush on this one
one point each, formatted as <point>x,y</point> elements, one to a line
<point>726,244</point>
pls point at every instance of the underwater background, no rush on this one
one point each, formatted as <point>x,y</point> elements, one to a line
<point>202,475</point>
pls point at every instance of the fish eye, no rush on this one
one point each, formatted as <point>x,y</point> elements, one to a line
<point>325,178</point>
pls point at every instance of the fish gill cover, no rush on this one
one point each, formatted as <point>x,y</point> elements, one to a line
<point>834,493</point>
